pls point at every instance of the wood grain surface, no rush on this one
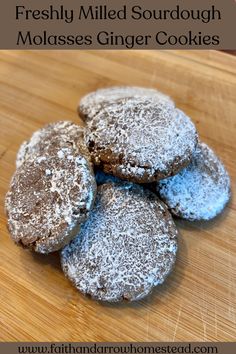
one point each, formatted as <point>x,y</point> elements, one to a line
<point>198,301</point>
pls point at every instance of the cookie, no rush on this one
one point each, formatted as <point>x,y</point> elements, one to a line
<point>49,197</point>
<point>55,136</point>
<point>141,139</point>
<point>92,103</point>
<point>201,190</point>
<point>127,246</point>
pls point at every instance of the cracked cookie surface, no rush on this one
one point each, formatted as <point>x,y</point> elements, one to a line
<point>201,190</point>
<point>126,247</point>
<point>141,139</point>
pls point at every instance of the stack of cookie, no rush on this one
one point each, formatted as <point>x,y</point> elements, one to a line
<point>119,236</point>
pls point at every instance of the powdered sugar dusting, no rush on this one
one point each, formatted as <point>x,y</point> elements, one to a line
<point>92,103</point>
<point>145,140</point>
<point>127,246</point>
<point>200,191</point>
<point>60,154</point>
<point>60,135</point>
<point>21,154</point>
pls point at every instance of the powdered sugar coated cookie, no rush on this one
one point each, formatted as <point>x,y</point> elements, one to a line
<point>126,247</point>
<point>140,139</point>
<point>49,198</point>
<point>201,190</point>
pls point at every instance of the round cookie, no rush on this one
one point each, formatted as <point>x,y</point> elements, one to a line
<point>140,139</point>
<point>127,246</point>
<point>92,103</point>
<point>55,136</point>
<point>201,190</point>
<point>49,197</point>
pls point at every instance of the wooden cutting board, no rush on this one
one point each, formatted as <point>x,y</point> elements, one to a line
<point>198,301</point>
